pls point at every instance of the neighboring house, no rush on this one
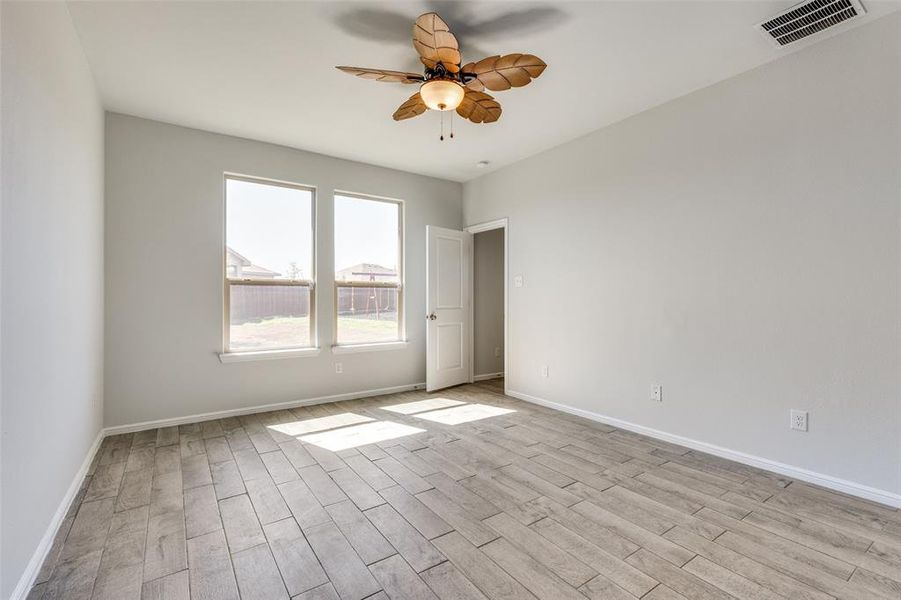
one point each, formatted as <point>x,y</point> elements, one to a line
<point>239,267</point>
<point>365,272</point>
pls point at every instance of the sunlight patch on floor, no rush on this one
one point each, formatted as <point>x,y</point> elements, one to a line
<point>464,414</point>
<point>409,408</point>
<point>359,435</point>
<point>320,424</point>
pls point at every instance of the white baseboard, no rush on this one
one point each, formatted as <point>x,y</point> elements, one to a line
<point>236,412</point>
<point>827,481</point>
<point>40,553</point>
<point>485,376</point>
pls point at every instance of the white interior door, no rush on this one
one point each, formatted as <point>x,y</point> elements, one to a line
<point>447,307</point>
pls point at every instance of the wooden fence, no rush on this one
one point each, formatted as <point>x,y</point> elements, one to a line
<point>250,303</point>
<point>257,302</point>
<point>366,301</point>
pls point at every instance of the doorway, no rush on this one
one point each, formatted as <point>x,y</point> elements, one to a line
<point>489,303</point>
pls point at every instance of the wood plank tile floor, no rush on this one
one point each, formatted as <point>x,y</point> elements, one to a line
<point>463,494</point>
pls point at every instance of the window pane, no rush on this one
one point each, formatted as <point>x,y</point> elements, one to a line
<point>268,317</point>
<point>269,232</point>
<point>366,240</point>
<point>367,315</point>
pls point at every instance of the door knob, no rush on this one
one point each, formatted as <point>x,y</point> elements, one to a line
<point>432,317</point>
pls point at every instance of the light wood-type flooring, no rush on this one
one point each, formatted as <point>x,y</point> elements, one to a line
<point>462,494</point>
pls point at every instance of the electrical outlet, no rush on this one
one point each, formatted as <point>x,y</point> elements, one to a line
<point>339,367</point>
<point>517,281</point>
<point>657,393</point>
<point>798,420</point>
<point>497,352</point>
<point>544,371</point>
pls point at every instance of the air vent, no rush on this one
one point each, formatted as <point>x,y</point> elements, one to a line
<point>809,18</point>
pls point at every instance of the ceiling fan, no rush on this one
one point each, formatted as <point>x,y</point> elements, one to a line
<point>446,85</point>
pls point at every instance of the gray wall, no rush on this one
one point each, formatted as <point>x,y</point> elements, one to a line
<point>488,301</point>
<point>739,246</point>
<point>164,236</point>
<point>52,272</point>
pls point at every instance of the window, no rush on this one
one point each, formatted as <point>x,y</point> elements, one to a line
<point>269,265</point>
<point>368,270</point>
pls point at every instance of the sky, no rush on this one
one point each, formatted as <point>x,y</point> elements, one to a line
<point>271,226</point>
<point>365,231</point>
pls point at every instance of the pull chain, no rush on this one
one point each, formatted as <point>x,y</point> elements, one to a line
<point>452,124</point>
<point>442,126</point>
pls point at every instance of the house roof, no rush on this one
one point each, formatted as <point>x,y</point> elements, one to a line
<point>249,269</point>
<point>258,271</point>
<point>237,256</point>
<point>364,271</point>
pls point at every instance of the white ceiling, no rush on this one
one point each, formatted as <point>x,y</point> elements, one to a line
<point>265,70</point>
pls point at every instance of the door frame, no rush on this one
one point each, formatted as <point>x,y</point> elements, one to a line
<point>502,223</point>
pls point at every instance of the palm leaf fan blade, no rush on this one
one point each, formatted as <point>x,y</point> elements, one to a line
<point>498,73</point>
<point>413,107</point>
<point>435,43</point>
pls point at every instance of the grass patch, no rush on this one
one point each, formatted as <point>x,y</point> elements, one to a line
<point>294,332</point>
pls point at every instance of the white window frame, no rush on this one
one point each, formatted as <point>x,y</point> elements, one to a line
<point>229,355</point>
<point>401,341</point>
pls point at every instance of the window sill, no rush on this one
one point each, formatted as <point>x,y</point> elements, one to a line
<point>233,357</point>
<point>376,347</point>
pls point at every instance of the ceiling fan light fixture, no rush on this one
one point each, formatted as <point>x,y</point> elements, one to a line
<point>442,94</point>
<point>448,84</point>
